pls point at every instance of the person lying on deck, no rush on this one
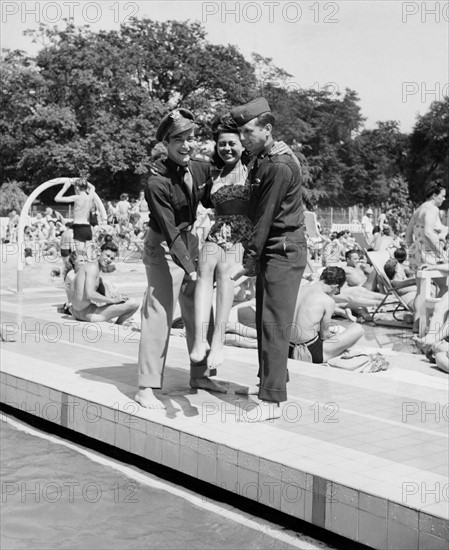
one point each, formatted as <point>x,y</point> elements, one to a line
<point>312,326</point>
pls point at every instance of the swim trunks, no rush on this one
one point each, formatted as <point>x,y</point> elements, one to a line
<point>315,347</point>
<point>84,314</point>
<point>82,232</point>
<point>246,316</point>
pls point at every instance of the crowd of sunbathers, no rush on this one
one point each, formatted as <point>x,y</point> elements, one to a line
<point>353,292</point>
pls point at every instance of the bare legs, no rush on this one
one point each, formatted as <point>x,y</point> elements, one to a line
<point>225,297</point>
<point>207,261</point>
<point>438,330</point>
<point>213,261</point>
<point>442,360</point>
<point>122,311</point>
<point>341,342</point>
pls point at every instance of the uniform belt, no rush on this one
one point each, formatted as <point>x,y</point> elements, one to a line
<point>232,207</point>
<point>281,232</point>
<point>182,228</point>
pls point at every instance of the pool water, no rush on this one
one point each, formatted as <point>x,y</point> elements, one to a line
<point>56,494</point>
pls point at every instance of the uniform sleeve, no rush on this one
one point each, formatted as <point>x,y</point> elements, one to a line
<point>202,174</point>
<point>162,211</point>
<point>272,189</point>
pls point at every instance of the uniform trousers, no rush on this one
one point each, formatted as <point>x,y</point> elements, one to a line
<point>281,267</point>
<point>166,284</point>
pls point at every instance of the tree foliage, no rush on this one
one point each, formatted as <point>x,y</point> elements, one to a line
<point>429,150</point>
<point>12,197</point>
<point>90,102</point>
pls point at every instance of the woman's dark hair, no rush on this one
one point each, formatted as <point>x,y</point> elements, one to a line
<point>333,276</point>
<point>224,124</point>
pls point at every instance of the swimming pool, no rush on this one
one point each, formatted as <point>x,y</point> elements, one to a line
<point>57,494</point>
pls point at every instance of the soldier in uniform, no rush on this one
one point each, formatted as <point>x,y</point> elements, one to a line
<point>170,256</point>
<point>276,253</point>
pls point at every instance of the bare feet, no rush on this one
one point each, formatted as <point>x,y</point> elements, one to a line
<point>421,344</point>
<point>146,398</point>
<point>215,358</point>
<point>205,383</point>
<point>350,316</point>
<point>248,390</point>
<point>261,412</point>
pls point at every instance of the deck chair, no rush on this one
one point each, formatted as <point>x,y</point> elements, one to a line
<point>360,239</point>
<point>387,287</point>
<point>313,234</point>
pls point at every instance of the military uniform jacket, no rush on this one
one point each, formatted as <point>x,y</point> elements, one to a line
<point>276,202</point>
<point>173,208</point>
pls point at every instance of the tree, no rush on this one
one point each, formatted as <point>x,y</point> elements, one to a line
<point>375,158</point>
<point>12,197</point>
<point>101,96</point>
<point>428,152</point>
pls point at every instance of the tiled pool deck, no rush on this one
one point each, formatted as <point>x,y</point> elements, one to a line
<point>361,455</point>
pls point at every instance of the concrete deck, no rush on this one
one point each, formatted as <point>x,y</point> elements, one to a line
<point>361,455</point>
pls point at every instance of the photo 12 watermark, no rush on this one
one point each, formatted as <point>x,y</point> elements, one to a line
<point>52,332</point>
<point>69,411</point>
<point>270,492</point>
<point>428,492</point>
<point>80,13</point>
<point>68,491</point>
<point>413,412</point>
<point>271,12</point>
<point>291,412</point>
<point>425,12</point>
<point>424,91</point>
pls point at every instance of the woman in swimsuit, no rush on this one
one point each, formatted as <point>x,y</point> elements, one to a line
<point>223,248</point>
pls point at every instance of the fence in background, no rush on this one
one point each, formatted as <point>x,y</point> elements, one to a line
<point>325,216</point>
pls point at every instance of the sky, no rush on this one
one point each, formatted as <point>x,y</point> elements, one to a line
<point>393,53</point>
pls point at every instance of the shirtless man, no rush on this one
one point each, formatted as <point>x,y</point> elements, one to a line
<point>357,271</point>
<point>87,302</point>
<point>83,201</point>
<point>425,235</point>
<point>312,323</point>
<point>425,230</point>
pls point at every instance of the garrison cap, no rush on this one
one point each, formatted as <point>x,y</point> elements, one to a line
<point>247,112</point>
<point>175,123</point>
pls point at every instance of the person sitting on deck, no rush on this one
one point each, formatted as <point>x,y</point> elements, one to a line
<point>88,304</point>
<point>312,327</point>
<point>435,343</point>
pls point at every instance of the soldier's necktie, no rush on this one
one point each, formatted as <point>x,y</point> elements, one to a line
<point>188,180</point>
<point>252,169</point>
